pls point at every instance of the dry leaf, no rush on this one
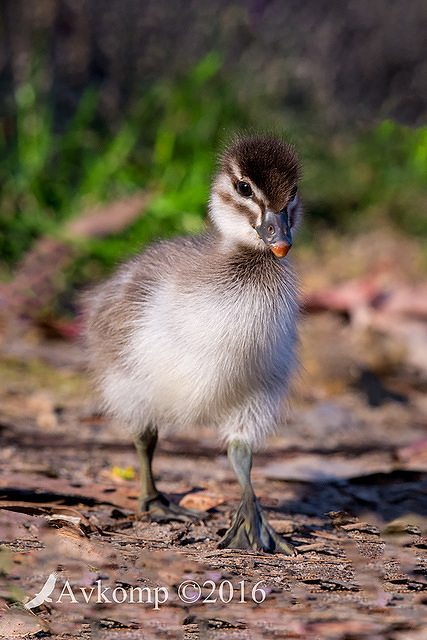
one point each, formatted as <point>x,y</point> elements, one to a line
<point>201,501</point>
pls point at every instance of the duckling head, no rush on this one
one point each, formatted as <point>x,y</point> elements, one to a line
<point>254,199</point>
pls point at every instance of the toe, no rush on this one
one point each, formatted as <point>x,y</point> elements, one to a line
<point>250,529</point>
<point>160,509</point>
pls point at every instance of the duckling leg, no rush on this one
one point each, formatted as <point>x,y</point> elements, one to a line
<point>153,504</point>
<point>249,526</point>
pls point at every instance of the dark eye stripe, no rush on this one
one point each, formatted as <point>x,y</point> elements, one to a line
<point>241,207</point>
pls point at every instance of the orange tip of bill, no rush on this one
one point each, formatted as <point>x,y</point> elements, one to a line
<point>280,249</point>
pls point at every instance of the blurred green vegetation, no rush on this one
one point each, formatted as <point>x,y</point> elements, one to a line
<point>376,178</point>
<point>167,142</point>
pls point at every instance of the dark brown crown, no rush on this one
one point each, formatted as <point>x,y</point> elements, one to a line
<point>268,162</point>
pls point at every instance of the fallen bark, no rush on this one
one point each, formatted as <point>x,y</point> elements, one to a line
<point>37,278</point>
<point>365,292</point>
<point>399,311</point>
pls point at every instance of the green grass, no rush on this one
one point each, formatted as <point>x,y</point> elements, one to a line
<point>165,143</point>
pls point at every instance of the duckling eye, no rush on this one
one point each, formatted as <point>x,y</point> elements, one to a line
<point>244,189</point>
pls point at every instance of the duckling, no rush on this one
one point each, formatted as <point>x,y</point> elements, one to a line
<point>203,329</point>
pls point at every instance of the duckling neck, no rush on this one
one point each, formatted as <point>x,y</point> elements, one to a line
<point>256,268</point>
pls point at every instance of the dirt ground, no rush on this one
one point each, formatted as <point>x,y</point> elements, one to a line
<point>344,479</point>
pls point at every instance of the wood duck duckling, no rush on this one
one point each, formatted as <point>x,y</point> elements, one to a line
<point>203,329</point>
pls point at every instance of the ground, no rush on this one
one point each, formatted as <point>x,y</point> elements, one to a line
<point>344,479</point>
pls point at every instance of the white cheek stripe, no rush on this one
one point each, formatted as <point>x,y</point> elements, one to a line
<point>233,226</point>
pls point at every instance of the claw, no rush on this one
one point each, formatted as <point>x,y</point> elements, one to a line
<point>250,529</point>
<point>159,508</point>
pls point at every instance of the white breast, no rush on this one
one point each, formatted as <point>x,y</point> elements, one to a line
<point>193,358</point>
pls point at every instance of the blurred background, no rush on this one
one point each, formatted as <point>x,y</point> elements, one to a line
<point>100,100</point>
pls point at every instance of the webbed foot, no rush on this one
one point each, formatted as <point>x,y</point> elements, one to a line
<point>159,508</point>
<point>250,529</point>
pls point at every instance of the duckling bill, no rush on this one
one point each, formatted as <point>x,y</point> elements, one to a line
<point>202,330</point>
<point>274,230</point>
